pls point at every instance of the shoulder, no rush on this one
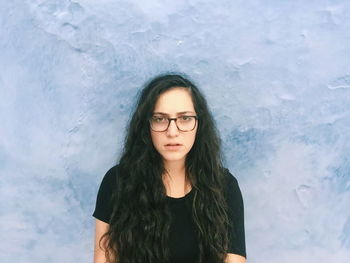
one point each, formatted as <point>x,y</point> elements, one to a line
<point>113,170</point>
<point>109,180</point>
<point>229,178</point>
<point>111,174</point>
<point>104,200</point>
<point>232,189</point>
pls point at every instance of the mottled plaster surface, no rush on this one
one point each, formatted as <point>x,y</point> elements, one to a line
<point>277,78</point>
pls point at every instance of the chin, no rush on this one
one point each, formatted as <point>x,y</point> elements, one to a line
<point>173,157</point>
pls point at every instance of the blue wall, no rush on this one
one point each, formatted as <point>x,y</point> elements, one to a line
<point>276,75</point>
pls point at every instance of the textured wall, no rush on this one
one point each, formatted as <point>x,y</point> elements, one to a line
<point>277,77</point>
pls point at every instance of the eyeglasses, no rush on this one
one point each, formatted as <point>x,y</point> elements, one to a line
<point>183,123</point>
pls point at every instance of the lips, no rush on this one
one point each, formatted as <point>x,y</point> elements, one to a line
<point>173,146</point>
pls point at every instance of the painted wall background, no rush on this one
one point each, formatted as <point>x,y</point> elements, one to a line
<point>276,75</point>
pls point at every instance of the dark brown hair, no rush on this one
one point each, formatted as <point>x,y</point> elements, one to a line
<point>140,222</point>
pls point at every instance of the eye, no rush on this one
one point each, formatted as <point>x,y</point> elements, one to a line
<point>186,118</point>
<point>158,119</point>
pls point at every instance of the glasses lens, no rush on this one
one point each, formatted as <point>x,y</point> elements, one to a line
<point>186,123</point>
<point>159,123</point>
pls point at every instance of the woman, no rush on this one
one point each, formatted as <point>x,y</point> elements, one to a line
<point>169,199</point>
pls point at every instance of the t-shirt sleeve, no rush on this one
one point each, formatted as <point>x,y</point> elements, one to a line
<point>104,206</point>
<point>236,217</point>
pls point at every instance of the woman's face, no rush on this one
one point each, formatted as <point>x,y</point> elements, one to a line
<point>174,103</point>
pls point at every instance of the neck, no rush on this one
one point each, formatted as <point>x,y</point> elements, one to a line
<point>175,180</point>
<point>175,168</point>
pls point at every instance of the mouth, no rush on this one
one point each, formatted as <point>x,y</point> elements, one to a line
<point>173,146</point>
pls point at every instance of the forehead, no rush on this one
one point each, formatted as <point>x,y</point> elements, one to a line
<point>174,100</point>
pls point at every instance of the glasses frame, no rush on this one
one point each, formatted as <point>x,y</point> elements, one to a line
<point>175,119</point>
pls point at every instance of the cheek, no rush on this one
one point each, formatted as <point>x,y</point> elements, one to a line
<point>191,139</point>
<point>195,133</point>
<point>155,139</point>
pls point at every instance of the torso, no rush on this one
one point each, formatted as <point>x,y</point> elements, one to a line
<point>178,187</point>
<point>182,236</point>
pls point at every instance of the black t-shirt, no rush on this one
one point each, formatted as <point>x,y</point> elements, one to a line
<point>182,236</point>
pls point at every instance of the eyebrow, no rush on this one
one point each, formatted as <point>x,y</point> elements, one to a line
<point>178,113</point>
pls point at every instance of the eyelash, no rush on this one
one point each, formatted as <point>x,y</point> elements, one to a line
<point>160,117</point>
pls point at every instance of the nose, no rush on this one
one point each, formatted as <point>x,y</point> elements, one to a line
<point>172,129</point>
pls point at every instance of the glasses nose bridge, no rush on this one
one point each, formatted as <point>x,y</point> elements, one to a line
<point>175,120</point>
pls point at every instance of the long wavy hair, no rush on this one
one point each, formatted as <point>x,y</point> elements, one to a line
<point>140,222</point>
